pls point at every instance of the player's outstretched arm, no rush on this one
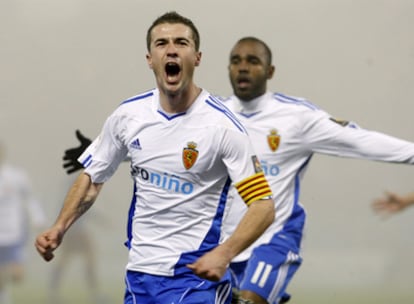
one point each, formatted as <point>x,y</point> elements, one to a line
<point>79,199</point>
<point>213,264</point>
<point>70,158</point>
<point>392,203</point>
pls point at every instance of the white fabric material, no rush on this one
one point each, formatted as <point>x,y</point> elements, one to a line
<point>303,130</point>
<point>175,207</point>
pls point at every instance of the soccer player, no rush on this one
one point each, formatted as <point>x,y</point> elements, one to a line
<point>392,203</point>
<point>17,205</point>
<point>286,132</point>
<point>186,150</point>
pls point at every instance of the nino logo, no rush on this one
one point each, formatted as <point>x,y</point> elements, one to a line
<point>273,139</point>
<point>190,154</point>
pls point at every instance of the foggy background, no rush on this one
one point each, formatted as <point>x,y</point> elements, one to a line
<point>67,64</point>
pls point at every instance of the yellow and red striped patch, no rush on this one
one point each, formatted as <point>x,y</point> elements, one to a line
<point>254,188</point>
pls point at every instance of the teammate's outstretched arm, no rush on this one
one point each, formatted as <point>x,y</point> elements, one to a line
<point>79,199</point>
<point>70,158</point>
<point>392,203</point>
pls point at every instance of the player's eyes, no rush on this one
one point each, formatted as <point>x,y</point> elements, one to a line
<point>159,43</point>
<point>254,61</point>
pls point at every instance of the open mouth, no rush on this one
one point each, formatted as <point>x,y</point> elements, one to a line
<point>172,69</point>
<point>243,81</point>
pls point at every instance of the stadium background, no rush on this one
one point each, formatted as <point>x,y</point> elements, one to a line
<point>66,64</point>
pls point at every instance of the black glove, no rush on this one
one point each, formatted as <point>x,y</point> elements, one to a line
<point>70,158</point>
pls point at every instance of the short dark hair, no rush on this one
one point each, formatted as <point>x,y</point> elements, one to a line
<point>173,18</point>
<point>257,40</point>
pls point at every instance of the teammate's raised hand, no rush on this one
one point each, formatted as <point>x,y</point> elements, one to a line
<point>70,158</point>
<point>392,203</point>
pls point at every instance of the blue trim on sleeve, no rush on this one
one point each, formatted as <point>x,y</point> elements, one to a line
<point>86,163</point>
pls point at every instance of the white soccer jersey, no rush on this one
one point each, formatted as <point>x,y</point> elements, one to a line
<point>286,132</point>
<point>182,165</point>
<point>18,207</point>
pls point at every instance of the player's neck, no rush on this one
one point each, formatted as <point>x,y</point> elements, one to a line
<point>180,101</point>
<point>252,104</point>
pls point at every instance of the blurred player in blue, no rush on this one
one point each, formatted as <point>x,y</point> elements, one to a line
<point>186,150</point>
<point>19,211</point>
<point>286,132</point>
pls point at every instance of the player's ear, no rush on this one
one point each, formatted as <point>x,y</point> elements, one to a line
<point>198,58</point>
<point>270,72</point>
<point>149,60</point>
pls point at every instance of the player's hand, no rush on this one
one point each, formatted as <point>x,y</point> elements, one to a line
<point>390,203</point>
<point>47,242</point>
<point>212,265</point>
<point>70,158</point>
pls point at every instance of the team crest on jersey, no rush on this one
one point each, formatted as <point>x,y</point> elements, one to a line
<point>190,155</point>
<point>273,139</point>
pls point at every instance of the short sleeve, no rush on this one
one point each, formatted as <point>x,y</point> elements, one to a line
<point>244,167</point>
<point>103,156</point>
